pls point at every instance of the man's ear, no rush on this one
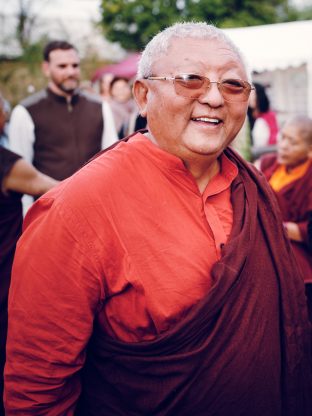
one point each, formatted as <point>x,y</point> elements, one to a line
<point>140,90</point>
<point>45,68</point>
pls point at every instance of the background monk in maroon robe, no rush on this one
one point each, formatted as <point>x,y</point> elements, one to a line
<point>290,174</point>
<point>158,280</point>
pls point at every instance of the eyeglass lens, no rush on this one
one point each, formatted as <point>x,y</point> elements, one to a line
<point>193,86</point>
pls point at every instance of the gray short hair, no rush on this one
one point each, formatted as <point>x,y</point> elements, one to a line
<point>160,43</point>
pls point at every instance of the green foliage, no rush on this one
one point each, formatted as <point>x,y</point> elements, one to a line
<point>306,14</point>
<point>32,53</point>
<point>133,23</point>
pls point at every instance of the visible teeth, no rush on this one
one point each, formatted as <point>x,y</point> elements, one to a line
<point>207,120</point>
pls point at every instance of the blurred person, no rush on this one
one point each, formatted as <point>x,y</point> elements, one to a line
<point>16,178</point>
<point>120,91</point>
<point>131,119</point>
<point>113,112</point>
<point>289,173</point>
<point>59,128</point>
<point>263,122</point>
<point>5,110</point>
<point>117,96</point>
<point>122,103</point>
<point>104,85</point>
<point>158,279</point>
<point>134,123</point>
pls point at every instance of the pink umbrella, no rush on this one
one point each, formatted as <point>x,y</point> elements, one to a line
<point>126,68</point>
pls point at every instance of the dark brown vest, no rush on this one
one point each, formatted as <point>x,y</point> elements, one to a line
<point>66,136</point>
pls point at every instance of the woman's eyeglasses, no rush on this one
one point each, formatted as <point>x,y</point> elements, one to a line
<point>193,86</point>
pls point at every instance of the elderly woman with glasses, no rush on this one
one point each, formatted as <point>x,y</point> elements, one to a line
<point>158,279</point>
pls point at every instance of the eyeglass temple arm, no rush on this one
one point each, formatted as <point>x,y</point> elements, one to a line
<point>159,78</point>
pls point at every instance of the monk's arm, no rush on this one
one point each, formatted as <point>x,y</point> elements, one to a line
<point>26,179</point>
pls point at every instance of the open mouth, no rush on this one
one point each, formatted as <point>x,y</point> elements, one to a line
<point>207,120</point>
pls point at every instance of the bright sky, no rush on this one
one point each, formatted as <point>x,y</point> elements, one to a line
<point>78,9</point>
<point>69,19</point>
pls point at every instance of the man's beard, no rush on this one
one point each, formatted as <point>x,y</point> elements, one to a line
<point>68,89</point>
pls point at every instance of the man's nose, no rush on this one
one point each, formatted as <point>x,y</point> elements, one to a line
<point>72,70</point>
<point>212,95</point>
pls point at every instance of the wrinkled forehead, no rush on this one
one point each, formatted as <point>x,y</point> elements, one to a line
<point>198,54</point>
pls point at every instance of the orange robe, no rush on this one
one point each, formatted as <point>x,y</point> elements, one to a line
<point>294,196</point>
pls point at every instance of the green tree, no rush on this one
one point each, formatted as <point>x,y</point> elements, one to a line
<point>132,23</point>
<point>306,14</point>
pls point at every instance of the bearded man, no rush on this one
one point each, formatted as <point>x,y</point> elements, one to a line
<point>58,128</point>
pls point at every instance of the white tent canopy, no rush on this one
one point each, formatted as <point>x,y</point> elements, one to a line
<point>281,56</point>
<point>277,46</point>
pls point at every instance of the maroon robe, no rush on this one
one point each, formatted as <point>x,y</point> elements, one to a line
<point>11,217</point>
<point>295,202</point>
<point>243,350</point>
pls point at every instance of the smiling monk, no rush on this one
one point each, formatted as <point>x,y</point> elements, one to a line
<point>158,279</point>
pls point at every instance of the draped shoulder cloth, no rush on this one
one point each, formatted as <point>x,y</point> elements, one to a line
<point>243,350</point>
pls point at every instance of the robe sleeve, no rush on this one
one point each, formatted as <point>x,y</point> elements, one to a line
<point>303,227</point>
<point>52,278</point>
<point>7,161</point>
<point>303,223</point>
